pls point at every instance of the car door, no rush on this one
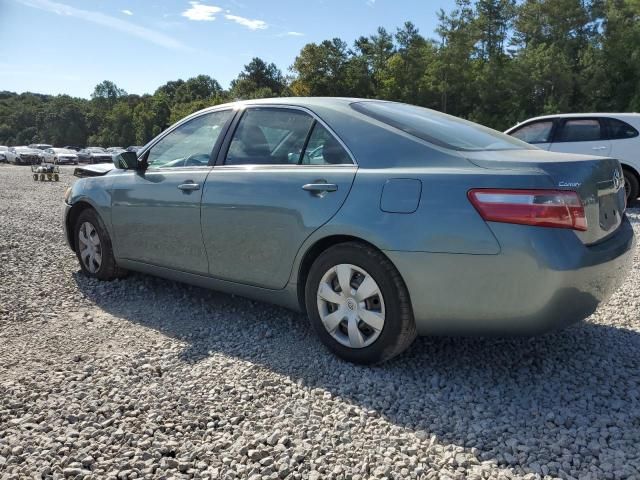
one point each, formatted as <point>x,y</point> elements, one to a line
<point>280,176</point>
<point>156,212</point>
<point>537,132</point>
<point>587,136</point>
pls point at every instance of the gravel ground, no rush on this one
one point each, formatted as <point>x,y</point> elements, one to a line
<point>149,378</point>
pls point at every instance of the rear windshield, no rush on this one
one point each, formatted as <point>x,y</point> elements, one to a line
<point>438,128</point>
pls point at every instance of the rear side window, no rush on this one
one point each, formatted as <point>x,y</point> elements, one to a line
<point>269,136</point>
<point>438,128</point>
<point>580,130</point>
<point>324,149</point>
<point>536,132</point>
<point>619,130</point>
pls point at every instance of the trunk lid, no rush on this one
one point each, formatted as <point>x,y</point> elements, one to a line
<point>597,180</point>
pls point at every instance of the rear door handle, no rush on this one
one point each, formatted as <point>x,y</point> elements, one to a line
<point>598,148</point>
<point>320,187</point>
<point>189,186</point>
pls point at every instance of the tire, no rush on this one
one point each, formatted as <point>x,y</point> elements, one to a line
<point>373,346</point>
<point>56,177</point>
<point>632,186</point>
<point>107,269</point>
<point>35,177</point>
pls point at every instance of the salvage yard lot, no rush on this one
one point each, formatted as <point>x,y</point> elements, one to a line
<point>147,377</point>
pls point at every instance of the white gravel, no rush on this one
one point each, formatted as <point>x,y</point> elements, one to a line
<point>149,378</point>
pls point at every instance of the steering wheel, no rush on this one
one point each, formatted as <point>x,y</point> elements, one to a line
<point>196,160</point>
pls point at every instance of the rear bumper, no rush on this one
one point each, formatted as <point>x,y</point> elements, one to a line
<point>542,279</point>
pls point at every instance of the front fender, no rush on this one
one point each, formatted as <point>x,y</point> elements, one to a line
<point>95,192</point>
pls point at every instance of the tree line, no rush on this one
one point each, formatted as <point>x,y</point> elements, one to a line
<point>495,62</point>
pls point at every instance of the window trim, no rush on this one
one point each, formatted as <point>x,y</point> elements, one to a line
<point>222,152</point>
<point>554,127</point>
<point>562,122</point>
<point>216,146</point>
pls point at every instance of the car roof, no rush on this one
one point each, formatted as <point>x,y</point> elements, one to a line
<point>582,115</point>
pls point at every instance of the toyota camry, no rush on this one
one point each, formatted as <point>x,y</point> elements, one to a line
<point>380,220</point>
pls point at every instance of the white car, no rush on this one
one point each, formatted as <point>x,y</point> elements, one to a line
<point>3,154</point>
<point>603,134</point>
<point>61,155</point>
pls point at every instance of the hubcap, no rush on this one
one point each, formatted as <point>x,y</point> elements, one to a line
<point>90,248</point>
<point>351,306</point>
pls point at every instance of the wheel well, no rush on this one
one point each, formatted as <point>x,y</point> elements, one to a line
<point>74,213</point>
<point>313,253</point>
<point>632,170</point>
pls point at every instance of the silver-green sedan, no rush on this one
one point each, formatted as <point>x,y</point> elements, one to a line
<point>380,220</point>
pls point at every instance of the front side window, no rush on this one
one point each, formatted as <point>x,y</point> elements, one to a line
<point>190,144</point>
<point>580,130</point>
<point>269,136</point>
<point>536,132</point>
<point>438,128</point>
<point>324,149</point>
<point>619,130</point>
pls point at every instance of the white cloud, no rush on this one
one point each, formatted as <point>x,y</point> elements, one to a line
<point>201,12</point>
<point>127,12</point>
<point>294,34</point>
<point>371,3</point>
<point>247,22</point>
<point>106,21</point>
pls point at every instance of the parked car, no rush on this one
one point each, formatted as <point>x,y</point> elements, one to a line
<point>134,148</point>
<point>94,155</point>
<point>61,155</point>
<point>381,220</point>
<point>115,150</point>
<point>24,155</point>
<point>40,146</point>
<point>3,154</point>
<point>75,148</point>
<point>606,134</point>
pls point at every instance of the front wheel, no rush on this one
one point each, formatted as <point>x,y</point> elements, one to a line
<point>93,247</point>
<point>358,304</point>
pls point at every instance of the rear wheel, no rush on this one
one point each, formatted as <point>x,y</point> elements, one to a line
<point>358,304</point>
<point>631,186</point>
<point>93,247</point>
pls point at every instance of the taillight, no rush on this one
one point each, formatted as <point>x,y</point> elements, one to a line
<point>542,208</point>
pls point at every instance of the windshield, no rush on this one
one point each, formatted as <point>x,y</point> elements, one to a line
<point>96,149</point>
<point>438,128</point>
<point>63,150</point>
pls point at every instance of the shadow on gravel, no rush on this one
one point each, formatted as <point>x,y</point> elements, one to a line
<point>520,401</point>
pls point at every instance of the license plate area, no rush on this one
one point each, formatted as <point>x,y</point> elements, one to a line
<point>610,215</point>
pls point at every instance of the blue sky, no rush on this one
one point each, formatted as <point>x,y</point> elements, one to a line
<point>68,46</point>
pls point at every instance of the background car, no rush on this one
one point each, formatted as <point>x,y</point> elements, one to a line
<point>75,148</point>
<point>61,155</point>
<point>94,155</point>
<point>115,150</point>
<point>24,155</point>
<point>134,148</point>
<point>40,146</point>
<point>380,220</point>
<point>3,150</point>
<point>605,134</point>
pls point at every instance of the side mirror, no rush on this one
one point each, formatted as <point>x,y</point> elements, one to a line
<point>126,161</point>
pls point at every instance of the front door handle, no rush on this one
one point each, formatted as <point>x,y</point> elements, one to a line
<point>189,186</point>
<point>599,148</point>
<point>320,187</point>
